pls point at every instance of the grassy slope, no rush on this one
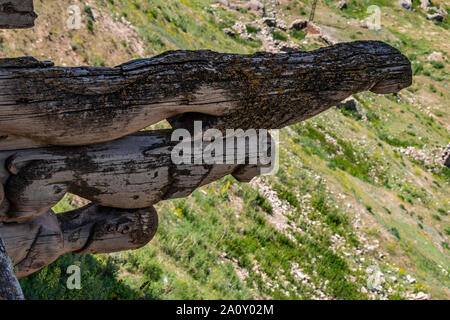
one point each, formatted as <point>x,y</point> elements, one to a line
<point>350,200</point>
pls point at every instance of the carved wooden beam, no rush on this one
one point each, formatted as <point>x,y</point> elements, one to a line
<point>45,105</point>
<point>136,171</point>
<point>133,172</point>
<point>17,14</point>
<point>91,229</point>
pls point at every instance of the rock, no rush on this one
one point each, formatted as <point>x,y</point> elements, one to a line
<point>227,5</point>
<point>342,4</point>
<point>313,29</point>
<point>327,39</point>
<point>256,6</point>
<point>271,22</point>
<point>286,47</point>
<point>240,27</point>
<point>348,104</point>
<point>281,25</point>
<point>407,4</point>
<point>421,296</point>
<point>230,32</point>
<point>425,4</point>
<point>446,156</point>
<point>224,3</point>
<point>438,17</point>
<point>298,24</point>
<point>436,56</point>
<point>410,279</point>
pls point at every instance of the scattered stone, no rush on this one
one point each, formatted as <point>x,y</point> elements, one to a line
<point>224,3</point>
<point>425,4</point>
<point>430,158</point>
<point>281,25</point>
<point>313,29</point>
<point>410,279</point>
<point>407,4</point>
<point>271,22</point>
<point>349,104</point>
<point>327,39</point>
<point>257,6</point>
<point>240,27</point>
<point>438,16</point>
<point>298,24</point>
<point>436,56</point>
<point>286,47</point>
<point>446,156</point>
<point>342,4</point>
<point>421,296</point>
<point>230,32</point>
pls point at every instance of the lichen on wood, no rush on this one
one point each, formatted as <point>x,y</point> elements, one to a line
<point>47,105</point>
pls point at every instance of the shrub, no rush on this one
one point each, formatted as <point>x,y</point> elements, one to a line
<point>253,30</point>
<point>436,217</point>
<point>394,232</point>
<point>437,64</point>
<point>278,36</point>
<point>264,204</point>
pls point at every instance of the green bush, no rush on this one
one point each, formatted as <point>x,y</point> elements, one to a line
<point>394,232</point>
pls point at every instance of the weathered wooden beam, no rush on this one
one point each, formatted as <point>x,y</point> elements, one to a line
<point>17,14</point>
<point>91,229</point>
<point>136,171</point>
<point>9,286</point>
<point>45,105</point>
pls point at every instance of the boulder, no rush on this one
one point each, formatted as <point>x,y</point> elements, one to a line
<point>281,25</point>
<point>298,24</point>
<point>230,32</point>
<point>256,6</point>
<point>313,29</point>
<point>407,4</point>
<point>436,56</point>
<point>438,16</point>
<point>425,4</point>
<point>224,3</point>
<point>271,22</point>
<point>349,104</point>
<point>446,156</point>
<point>342,4</point>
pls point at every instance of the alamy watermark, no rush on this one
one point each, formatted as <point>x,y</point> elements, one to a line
<point>73,21</point>
<point>375,279</point>
<point>252,147</point>
<point>74,280</point>
<point>374,20</point>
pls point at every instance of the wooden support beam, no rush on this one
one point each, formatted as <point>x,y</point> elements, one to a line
<point>136,171</point>
<point>91,229</point>
<point>17,14</point>
<point>45,105</point>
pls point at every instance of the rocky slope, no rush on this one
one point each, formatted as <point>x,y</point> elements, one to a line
<point>359,206</point>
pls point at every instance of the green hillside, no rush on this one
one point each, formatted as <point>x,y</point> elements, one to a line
<point>355,191</point>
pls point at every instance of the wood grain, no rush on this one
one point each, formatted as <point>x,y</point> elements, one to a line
<point>17,14</point>
<point>47,105</point>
